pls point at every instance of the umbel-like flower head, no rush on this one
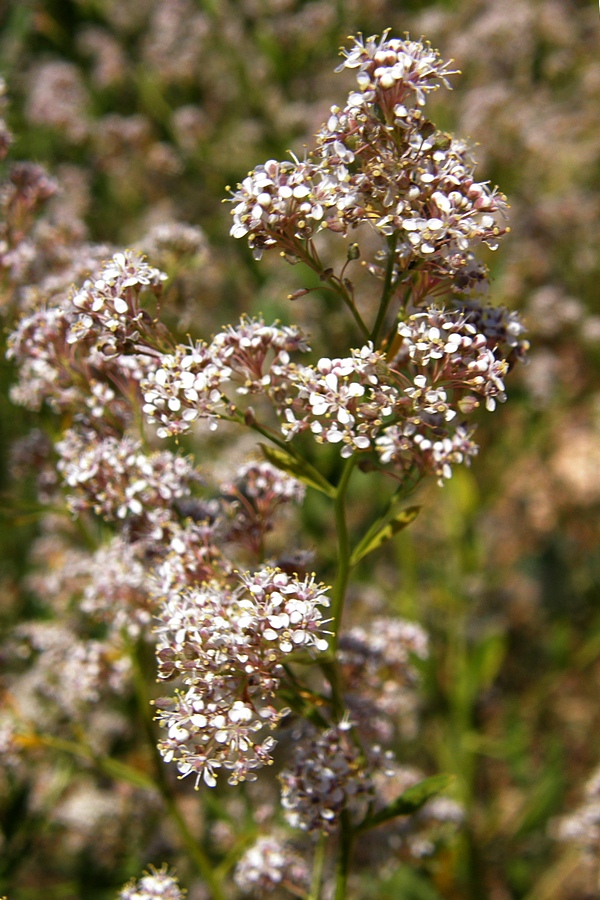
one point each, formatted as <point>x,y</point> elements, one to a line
<point>227,646</point>
<point>379,161</point>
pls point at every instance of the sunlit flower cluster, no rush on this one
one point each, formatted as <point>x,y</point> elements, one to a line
<point>109,309</point>
<point>397,67</point>
<point>378,160</point>
<point>227,645</point>
<point>156,884</point>
<point>189,383</point>
<point>341,401</point>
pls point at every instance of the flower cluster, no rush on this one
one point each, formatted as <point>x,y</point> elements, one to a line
<point>118,481</point>
<point>582,827</point>
<point>226,645</point>
<point>190,551</point>
<point>109,309</point>
<point>269,864</point>
<point>189,383</point>
<point>66,670</point>
<point>378,160</point>
<point>405,408</point>
<point>156,884</point>
<point>327,776</point>
<point>251,501</point>
<point>340,400</point>
<point>117,592</point>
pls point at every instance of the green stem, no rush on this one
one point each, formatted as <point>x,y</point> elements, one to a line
<point>317,873</point>
<point>329,664</point>
<point>314,263</point>
<point>201,861</point>
<point>388,291</point>
<point>343,864</point>
<point>338,592</point>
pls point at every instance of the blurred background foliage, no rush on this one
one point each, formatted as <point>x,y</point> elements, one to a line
<point>144,111</point>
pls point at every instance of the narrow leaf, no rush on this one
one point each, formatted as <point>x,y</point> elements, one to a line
<point>299,468</point>
<point>410,801</point>
<point>382,530</point>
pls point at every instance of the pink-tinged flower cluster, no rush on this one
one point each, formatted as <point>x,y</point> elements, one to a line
<point>184,386</point>
<point>378,160</point>
<point>444,348</point>
<point>118,481</point>
<point>327,776</point>
<point>189,383</point>
<point>278,200</point>
<point>396,69</point>
<point>68,671</point>
<point>117,592</point>
<point>341,401</point>
<point>406,408</point>
<point>269,864</point>
<point>191,553</point>
<point>226,645</point>
<point>37,345</point>
<point>109,310</point>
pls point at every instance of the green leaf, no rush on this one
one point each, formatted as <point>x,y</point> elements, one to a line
<point>410,801</point>
<point>299,468</point>
<point>383,530</point>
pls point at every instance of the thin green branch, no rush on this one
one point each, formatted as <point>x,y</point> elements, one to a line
<point>338,592</point>
<point>327,276</point>
<point>388,289</point>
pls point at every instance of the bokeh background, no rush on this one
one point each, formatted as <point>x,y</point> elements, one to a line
<point>145,111</point>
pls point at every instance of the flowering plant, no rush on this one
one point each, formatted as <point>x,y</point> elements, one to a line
<point>252,650</point>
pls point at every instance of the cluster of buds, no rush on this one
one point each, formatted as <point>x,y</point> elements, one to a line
<point>252,500</point>
<point>328,775</point>
<point>227,647</point>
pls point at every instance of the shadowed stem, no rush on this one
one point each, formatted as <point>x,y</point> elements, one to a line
<point>317,874</point>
